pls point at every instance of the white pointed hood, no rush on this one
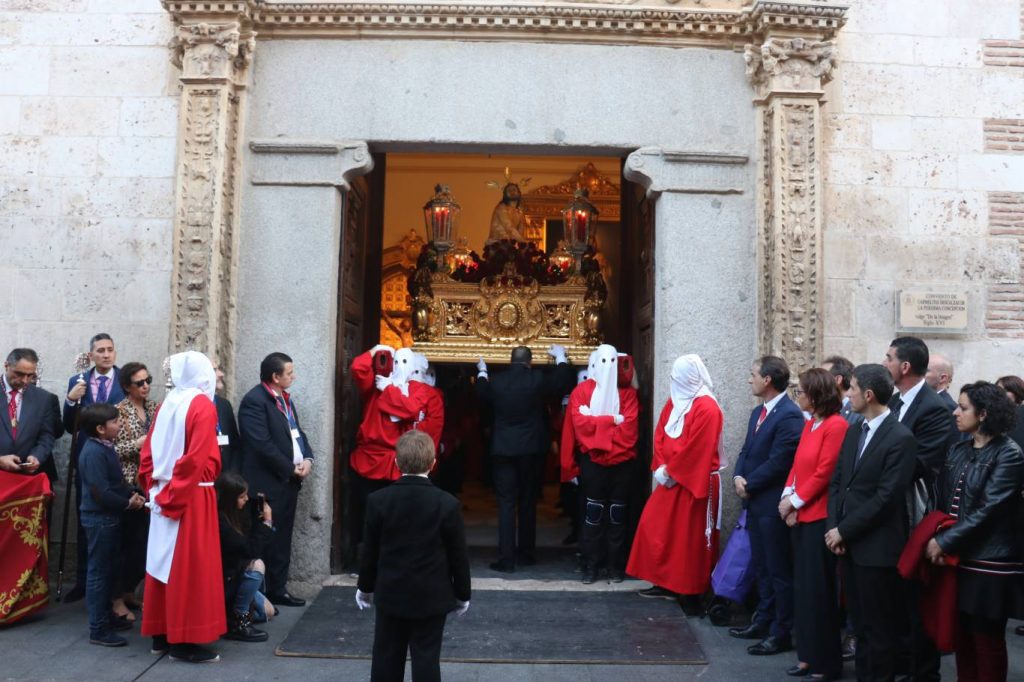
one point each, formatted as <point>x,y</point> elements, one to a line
<point>690,379</point>
<point>604,370</point>
<point>193,376</point>
<point>406,365</point>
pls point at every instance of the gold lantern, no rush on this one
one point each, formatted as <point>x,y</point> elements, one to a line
<point>441,215</point>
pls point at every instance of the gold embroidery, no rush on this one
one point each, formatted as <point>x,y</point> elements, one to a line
<point>27,527</point>
<point>29,585</point>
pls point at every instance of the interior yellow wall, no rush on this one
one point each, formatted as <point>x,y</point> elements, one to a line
<point>411,179</point>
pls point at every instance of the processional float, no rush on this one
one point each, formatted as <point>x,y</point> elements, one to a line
<point>467,305</point>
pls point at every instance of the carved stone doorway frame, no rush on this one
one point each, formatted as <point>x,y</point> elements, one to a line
<point>787,46</point>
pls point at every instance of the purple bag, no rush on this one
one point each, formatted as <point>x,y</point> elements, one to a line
<point>734,574</point>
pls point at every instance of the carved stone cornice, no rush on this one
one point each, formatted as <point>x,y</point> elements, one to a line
<point>658,170</point>
<point>208,52</point>
<point>310,163</point>
<point>790,65</point>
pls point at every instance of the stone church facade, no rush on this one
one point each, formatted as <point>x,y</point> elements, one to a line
<point>174,172</point>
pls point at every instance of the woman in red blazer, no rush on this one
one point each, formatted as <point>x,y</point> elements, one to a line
<point>804,507</point>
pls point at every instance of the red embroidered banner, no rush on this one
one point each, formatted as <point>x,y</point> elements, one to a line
<point>24,575</point>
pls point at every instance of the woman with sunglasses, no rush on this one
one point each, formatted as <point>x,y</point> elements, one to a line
<point>136,412</point>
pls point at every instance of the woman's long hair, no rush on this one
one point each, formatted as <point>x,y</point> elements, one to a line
<point>229,486</point>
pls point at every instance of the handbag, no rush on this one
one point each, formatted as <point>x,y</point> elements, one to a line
<point>734,574</point>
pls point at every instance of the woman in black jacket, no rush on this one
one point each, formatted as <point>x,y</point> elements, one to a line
<point>245,529</point>
<point>980,485</point>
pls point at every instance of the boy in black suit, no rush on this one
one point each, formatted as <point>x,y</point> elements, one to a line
<point>415,561</point>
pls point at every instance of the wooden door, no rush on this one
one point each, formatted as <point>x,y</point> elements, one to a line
<point>637,325</point>
<point>358,328</point>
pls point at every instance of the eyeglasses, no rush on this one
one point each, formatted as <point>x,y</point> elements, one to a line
<point>142,382</point>
<point>798,391</point>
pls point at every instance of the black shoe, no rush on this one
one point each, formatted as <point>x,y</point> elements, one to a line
<point>192,653</point>
<point>657,593</point>
<point>241,630</point>
<point>107,639</point>
<point>1019,630</point>
<point>285,599</point>
<point>120,623</point>
<point>797,671</point>
<point>752,631</point>
<point>589,576</point>
<point>691,605</point>
<point>500,567</point>
<point>160,645</point>
<point>770,646</point>
<point>850,647</point>
<point>74,594</point>
<point>617,575</point>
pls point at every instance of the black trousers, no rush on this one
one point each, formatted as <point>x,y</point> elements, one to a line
<point>515,484</point>
<point>874,596</point>
<point>922,660</point>
<point>816,602</point>
<point>606,491</point>
<point>359,488</point>
<point>278,554</point>
<point>772,554</point>
<point>394,636</point>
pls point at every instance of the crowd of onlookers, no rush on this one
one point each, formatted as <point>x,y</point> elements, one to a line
<point>879,501</point>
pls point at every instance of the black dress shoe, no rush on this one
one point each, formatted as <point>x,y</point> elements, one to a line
<point>120,623</point>
<point>74,594</point>
<point>502,567</point>
<point>770,646</point>
<point>752,631</point>
<point>285,599</point>
<point>797,671</point>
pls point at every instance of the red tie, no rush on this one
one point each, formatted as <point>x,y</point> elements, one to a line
<point>12,411</point>
<point>760,420</point>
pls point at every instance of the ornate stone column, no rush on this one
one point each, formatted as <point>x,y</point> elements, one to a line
<point>213,46</point>
<point>790,62</point>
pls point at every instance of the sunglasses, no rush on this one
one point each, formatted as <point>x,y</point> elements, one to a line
<point>142,382</point>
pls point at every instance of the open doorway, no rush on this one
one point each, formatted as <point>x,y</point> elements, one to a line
<point>383,236</point>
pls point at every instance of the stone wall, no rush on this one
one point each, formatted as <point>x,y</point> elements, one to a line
<point>924,176</point>
<point>88,121</point>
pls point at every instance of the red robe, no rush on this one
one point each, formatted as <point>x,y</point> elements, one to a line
<point>374,454</point>
<point>670,548</point>
<point>190,607</point>
<point>605,442</point>
<point>567,450</point>
<point>433,419</point>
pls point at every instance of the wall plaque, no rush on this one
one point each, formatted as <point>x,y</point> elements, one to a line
<point>931,312</point>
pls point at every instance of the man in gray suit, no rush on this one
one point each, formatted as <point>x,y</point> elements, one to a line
<point>26,435</point>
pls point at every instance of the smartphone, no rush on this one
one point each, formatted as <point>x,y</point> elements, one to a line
<point>261,500</point>
<point>24,465</point>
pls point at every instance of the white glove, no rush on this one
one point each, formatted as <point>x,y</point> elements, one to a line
<point>463,606</point>
<point>423,415</point>
<point>585,410</point>
<point>381,382</point>
<point>394,419</point>
<point>558,353</point>
<point>619,419</point>
<point>575,480</point>
<point>364,600</point>
<point>481,366</point>
<point>661,476</point>
<point>381,346</point>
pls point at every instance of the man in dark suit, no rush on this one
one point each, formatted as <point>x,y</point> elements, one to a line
<point>519,445</point>
<point>100,384</point>
<point>414,565</point>
<point>841,370</point>
<point>764,461</point>
<point>26,439</point>
<point>277,458</point>
<point>227,428</point>
<point>940,376</point>
<point>866,520</point>
<point>919,408</point>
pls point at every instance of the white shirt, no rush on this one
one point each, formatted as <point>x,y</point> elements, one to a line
<point>908,398</point>
<point>874,424</point>
<point>7,396</point>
